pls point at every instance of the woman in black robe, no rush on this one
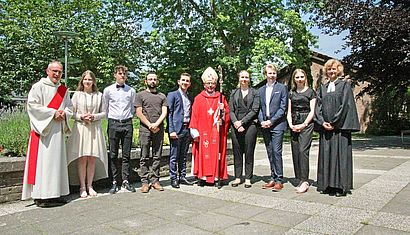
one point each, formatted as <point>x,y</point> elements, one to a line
<point>336,115</point>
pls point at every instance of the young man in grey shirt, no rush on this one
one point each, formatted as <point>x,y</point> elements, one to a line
<point>151,110</point>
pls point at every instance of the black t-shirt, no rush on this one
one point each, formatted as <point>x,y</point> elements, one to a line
<point>300,104</point>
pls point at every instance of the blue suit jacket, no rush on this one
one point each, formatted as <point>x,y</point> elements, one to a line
<point>278,106</point>
<point>175,111</point>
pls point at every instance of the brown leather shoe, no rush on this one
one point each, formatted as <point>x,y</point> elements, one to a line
<point>157,186</point>
<point>271,184</point>
<point>145,188</point>
<point>278,186</point>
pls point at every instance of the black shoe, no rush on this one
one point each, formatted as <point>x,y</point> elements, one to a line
<point>174,183</point>
<point>219,184</point>
<point>340,193</point>
<point>47,203</point>
<point>128,186</point>
<point>114,188</point>
<point>326,191</point>
<point>185,181</point>
<point>201,183</point>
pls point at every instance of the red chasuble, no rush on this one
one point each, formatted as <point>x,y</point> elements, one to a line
<point>205,114</point>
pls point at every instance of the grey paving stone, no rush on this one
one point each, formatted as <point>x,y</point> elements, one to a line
<point>66,224</point>
<point>22,229</point>
<point>313,196</point>
<point>280,218</point>
<point>228,195</point>
<point>210,221</point>
<point>138,224</point>
<point>382,185</point>
<point>37,215</point>
<point>361,179</point>
<point>298,231</point>
<point>318,224</point>
<point>174,212</point>
<point>374,163</point>
<point>396,176</point>
<point>240,210</point>
<point>11,208</point>
<point>263,201</point>
<point>348,214</point>
<point>8,222</point>
<point>308,208</point>
<point>100,229</point>
<point>390,220</point>
<point>253,227</point>
<point>107,214</point>
<point>398,206</point>
<point>176,228</point>
<point>370,229</point>
<point>3,212</point>
<point>367,202</point>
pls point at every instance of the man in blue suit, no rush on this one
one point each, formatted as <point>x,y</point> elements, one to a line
<point>272,117</point>
<point>179,115</point>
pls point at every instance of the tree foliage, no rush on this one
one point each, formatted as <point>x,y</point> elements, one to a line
<point>380,42</point>
<point>192,35</point>
<point>108,34</point>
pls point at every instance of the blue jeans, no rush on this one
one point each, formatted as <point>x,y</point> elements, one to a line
<point>179,152</point>
<point>273,143</point>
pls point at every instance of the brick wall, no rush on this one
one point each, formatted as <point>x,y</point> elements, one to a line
<point>11,178</point>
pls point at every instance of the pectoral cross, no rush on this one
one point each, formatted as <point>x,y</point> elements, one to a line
<point>210,111</point>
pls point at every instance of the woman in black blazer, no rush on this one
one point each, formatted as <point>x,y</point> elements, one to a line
<point>244,108</point>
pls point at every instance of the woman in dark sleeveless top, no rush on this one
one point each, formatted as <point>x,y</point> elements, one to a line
<point>301,108</point>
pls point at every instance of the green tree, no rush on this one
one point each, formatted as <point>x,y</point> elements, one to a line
<point>108,34</point>
<point>192,35</point>
<point>379,35</point>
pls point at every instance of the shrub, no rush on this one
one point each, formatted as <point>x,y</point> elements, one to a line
<point>14,133</point>
<point>15,129</point>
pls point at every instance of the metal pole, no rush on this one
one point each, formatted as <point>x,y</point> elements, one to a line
<point>65,60</point>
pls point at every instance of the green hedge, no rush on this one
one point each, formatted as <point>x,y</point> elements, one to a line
<point>14,133</point>
<point>15,128</point>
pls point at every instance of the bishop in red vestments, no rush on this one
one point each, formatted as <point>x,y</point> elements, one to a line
<point>205,126</point>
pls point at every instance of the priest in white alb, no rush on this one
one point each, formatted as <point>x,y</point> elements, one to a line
<point>49,108</point>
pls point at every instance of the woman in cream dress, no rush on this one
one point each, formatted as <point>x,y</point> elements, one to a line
<point>86,148</point>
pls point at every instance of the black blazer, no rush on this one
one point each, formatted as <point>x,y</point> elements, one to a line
<point>252,101</point>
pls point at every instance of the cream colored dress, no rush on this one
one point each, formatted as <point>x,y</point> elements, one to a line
<point>87,138</point>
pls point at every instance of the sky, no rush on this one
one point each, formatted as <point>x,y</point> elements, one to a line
<point>330,45</point>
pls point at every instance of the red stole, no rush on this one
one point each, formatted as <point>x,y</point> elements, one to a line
<point>35,137</point>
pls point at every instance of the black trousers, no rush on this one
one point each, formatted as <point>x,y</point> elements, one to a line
<point>150,163</point>
<point>243,143</point>
<point>120,133</point>
<point>300,143</point>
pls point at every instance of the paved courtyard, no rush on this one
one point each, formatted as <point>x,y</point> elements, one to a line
<point>379,203</point>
